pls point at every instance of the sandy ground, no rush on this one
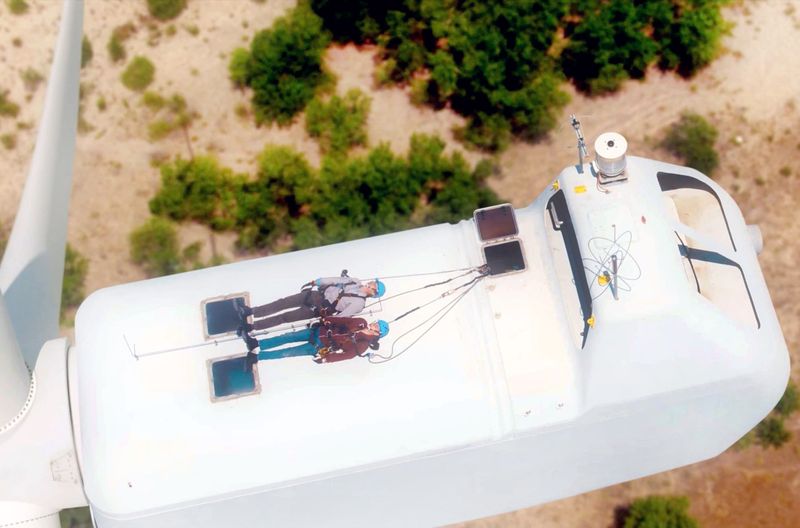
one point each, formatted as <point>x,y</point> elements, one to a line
<point>752,92</point>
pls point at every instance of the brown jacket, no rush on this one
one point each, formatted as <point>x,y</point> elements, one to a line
<point>344,338</point>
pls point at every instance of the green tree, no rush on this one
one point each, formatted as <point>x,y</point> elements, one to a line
<point>198,189</point>
<point>283,187</point>
<point>357,20</point>
<point>339,123</point>
<point>695,37</point>
<point>607,46</point>
<point>692,138</point>
<point>165,9</point>
<point>154,246</point>
<point>139,74</point>
<point>286,65</point>
<point>660,512</point>
<point>487,60</point>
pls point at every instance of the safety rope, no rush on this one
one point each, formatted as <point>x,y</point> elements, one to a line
<point>387,277</point>
<point>444,310</point>
<point>483,270</point>
<point>439,297</point>
<point>478,269</point>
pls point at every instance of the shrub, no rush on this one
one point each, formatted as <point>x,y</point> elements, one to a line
<point>101,103</point>
<point>789,402</point>
<point>165,9</point>
<point>339,123</point>
<point>159,129</point>
<point>241,110</point>
<point>611,40</point>
<point>358,20</point>
<point>694,39</point>
<point>692,139</point>
<point>86,51</point>
<point>198,189</point>
<point>488,61</point>
<point>9,141</point>
<point>286,65</point>
<point>290,202</point>
<point>153,101</point>
<point>607,46</point>
<point>501,64</point>
<point>174,115</point>
<point>116,43</point>
<point>76,266</point>
<point>771,432</point>
<point>7,107</point>
<point>283,189</point>
<point>31,79</point>
<point>486,131</point>
<point>154,246</point>
<point>139,74</point>
<point>660,512</point>
<point>238,67</point>
<point>17,7</point>
<point>116,49</point>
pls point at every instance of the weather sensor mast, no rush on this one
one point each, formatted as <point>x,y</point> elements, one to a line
<point>576,125</point>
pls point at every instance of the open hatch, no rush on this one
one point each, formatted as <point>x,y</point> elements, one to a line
<point>498,231</point>
<point>220,316</point>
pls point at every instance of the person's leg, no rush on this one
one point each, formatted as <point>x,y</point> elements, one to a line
<point>300,336</point>
<point>301,314</point>
<point>306,349</point>
<point>292,301</point>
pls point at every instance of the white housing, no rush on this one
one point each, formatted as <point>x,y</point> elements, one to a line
<point>539,385</point>
<point>610,149</point>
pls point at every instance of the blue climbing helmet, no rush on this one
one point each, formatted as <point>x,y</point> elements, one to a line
<point>381,289</point>
<point>383,327</point>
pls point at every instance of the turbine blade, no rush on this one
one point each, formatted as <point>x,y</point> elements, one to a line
<point>33,266</point>
<point>14,376</point>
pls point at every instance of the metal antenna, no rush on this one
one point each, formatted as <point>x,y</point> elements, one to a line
<point>576,125</point>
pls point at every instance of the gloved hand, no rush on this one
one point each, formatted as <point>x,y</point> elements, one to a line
<point>307,285</point>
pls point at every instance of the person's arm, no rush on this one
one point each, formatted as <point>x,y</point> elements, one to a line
<point>328,281</point>
<point>347,348</point>
<point>349,306</point>
<point>345,325</point>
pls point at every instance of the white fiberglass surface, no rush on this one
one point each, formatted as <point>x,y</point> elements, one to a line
<point>151,436</point>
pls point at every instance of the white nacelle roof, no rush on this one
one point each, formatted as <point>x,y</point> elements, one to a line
<point>502,362</point>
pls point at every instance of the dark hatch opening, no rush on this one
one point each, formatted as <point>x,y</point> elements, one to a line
<point>221,316</point>
<point>496,222</point>
<point>504,258</point>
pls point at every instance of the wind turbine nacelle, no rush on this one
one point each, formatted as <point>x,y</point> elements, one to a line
<point>625,329</point>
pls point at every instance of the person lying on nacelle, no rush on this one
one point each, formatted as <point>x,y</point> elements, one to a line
<point>329,340</point>
<point>335,296</point>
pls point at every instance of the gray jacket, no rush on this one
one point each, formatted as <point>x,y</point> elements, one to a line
<point>347,290</point>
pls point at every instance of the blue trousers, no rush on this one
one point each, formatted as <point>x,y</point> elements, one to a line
<point>309,339</point>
